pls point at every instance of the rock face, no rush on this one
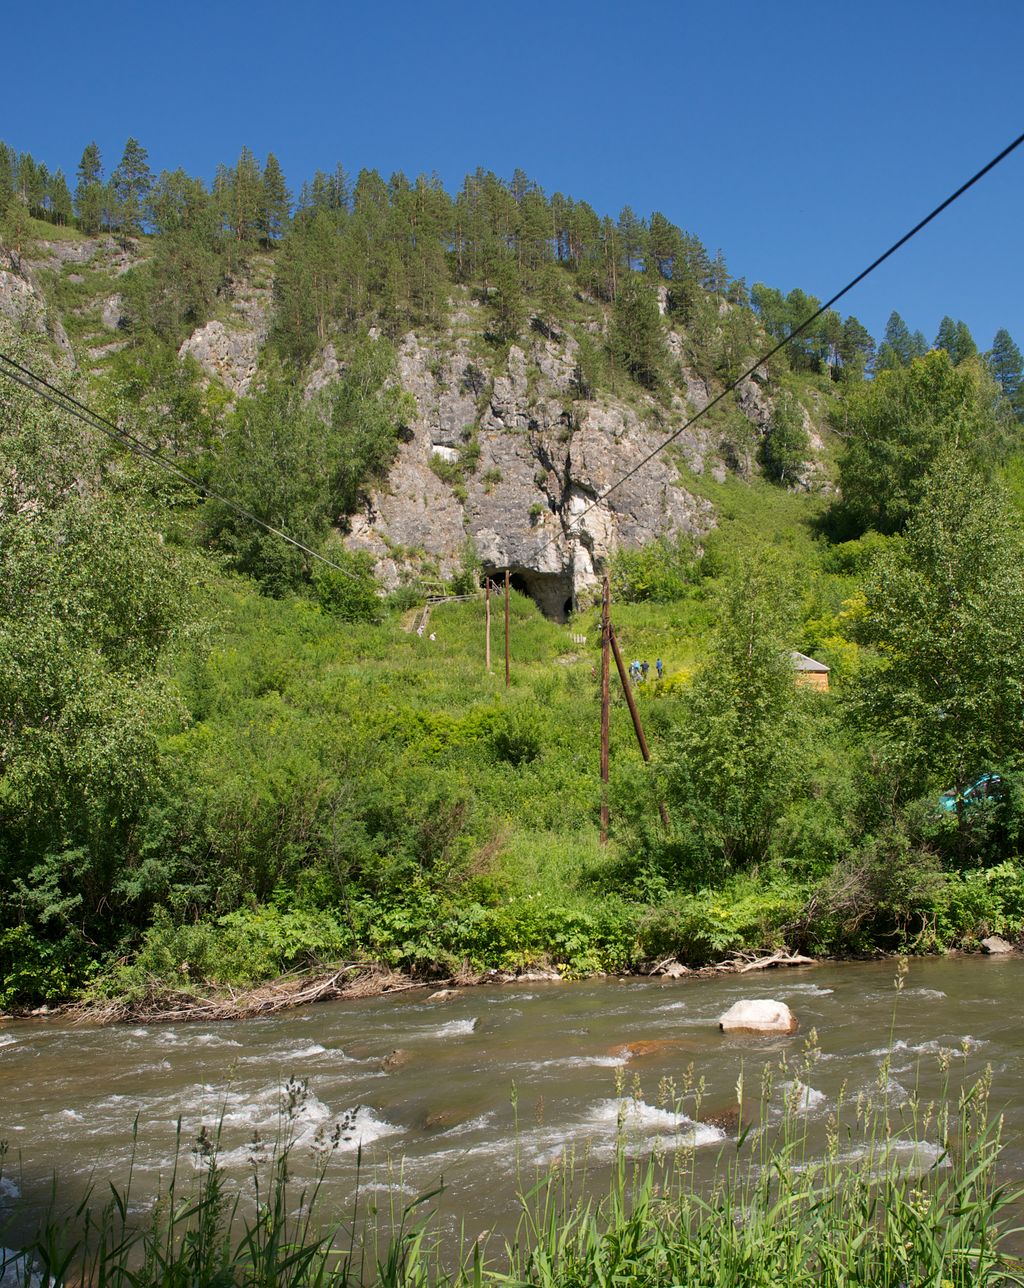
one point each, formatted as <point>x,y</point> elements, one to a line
<point>22,303</point>
<point>113,309</point>
<point>230,355</point>
<point>537,464</point>
<point>758,1016</point>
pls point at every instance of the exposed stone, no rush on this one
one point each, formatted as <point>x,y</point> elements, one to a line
<point>655,1046</point>
<point>112,312</point>
<point>995,945</point>
<point>395,1060</point>
<point>23,303</point>
<point>443,995</point>
<point>754,403</point>
<point>439,1120</point>
<point>326,371</point>
<point>100,351</point>
<point>758,1015</point>
<point>231,356</point>
<point>536,976</point>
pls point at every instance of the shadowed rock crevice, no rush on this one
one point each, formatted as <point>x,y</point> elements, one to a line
<point>552,592</point>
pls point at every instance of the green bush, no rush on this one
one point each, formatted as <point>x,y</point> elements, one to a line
<point>661,572</point>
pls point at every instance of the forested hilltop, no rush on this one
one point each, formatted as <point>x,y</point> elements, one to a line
<point>222,758</point>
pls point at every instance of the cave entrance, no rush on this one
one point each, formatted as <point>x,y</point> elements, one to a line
<point>551,591</point>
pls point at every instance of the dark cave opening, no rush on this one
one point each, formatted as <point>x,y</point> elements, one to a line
<point>551,592</point>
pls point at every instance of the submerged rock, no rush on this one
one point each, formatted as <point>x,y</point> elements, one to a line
<point>758,1015</point>
<point>395,1060</point>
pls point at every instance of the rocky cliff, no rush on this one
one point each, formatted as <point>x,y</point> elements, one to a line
<point>510,460</point>
<point>503,459</point>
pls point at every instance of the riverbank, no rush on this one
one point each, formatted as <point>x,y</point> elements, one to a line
<point>356,981</point>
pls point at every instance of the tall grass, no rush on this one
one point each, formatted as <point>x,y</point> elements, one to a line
<point>896,1193</point>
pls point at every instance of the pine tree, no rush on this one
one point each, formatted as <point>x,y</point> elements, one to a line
<point>8,171</point>
<point>61,210</point>
<point>275,209</point>
<point>1007,366</point>
<point>507,300</point>
<point>632,237</point>
<point>31,183</point>
<point>636,338</point>
<point>717,280</point>
<point>131,182</point>
<point>946,337</point>
<point>247,198</point>
<point>896,349</point>
<point>856,350</point>
<point>662,245</point>
<point>956,339</point>
<point>965,346</point>
<point>89,190</point>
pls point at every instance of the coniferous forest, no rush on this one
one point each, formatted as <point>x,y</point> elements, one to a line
<point>222,759</point>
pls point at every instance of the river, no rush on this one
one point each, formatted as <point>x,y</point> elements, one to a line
<point>491,1077</point>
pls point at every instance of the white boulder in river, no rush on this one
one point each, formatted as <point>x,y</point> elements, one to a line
<point>758,1016</point>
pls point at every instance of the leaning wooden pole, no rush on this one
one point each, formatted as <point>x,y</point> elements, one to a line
<point>605,705</point>
<point>638,728</point>
<point>508,670</point>
<point>487,646</point>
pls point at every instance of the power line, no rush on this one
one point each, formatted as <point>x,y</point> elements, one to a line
<point>897,245</point>
<point>72,406</point>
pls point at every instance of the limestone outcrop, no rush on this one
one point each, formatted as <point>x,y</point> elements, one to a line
<point>513,462</point>
<point>231,355</point>
<point>24,304</point>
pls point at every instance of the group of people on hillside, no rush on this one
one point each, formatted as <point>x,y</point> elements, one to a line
<point>638,670</point>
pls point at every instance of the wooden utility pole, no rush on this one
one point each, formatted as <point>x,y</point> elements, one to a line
<point>507,665</point>
<point>606,629</point>
<point>627,689</point>
<point>487,648</point>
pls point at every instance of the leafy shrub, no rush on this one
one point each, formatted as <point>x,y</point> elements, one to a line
<point>661,571</point>
<point>349,592</point>
<point>517,737</point>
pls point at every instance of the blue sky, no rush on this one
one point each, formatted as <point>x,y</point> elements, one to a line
<point>801,138</point>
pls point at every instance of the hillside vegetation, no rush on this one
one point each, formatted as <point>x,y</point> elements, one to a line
<point>222,759</point>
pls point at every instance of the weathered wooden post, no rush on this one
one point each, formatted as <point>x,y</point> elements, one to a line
<point>487,647</point>
<point>637,726</point>
<point>605,704</point>
<point>507,664</point>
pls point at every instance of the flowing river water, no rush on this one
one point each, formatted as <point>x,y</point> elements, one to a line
<point>493,1077</point>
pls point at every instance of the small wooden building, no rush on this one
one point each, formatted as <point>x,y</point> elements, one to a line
<point>809,672</point>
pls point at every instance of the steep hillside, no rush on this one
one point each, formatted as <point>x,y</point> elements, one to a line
<point>512,445</point>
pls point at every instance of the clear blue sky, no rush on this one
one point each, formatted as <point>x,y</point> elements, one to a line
<point>801,138</point>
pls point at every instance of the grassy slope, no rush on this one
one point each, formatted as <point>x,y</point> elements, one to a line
<point>292,706</point>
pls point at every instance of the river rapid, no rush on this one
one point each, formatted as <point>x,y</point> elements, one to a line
<point>490,1080</point>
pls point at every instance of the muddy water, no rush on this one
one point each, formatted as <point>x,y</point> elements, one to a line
<point>492,1076</point>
